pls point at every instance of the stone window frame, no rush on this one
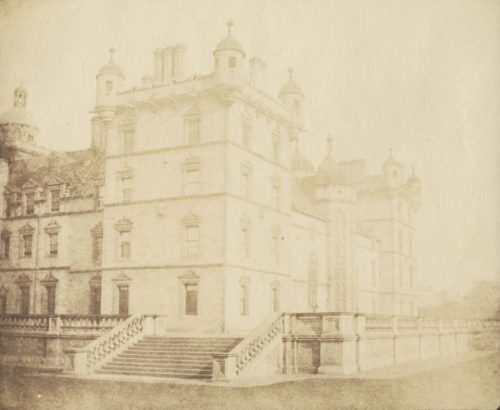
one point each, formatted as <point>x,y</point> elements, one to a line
<point>95,282</point>
<point>276,148</point>
<point>5,237</point>
<point>246,236</point>
<point>24,232</point>
<point>247,131</point>
<point>120,281</point>
<point>246,175</point>
<point>276,191</point>
<point>97,232</point>
<point>122,227</point>
<point>192,121</point>
<point>276,243</point>
<point>24,284</point>
<point>54,208</point>
<point>49,282</point>
<point>126,174</point>
<point>276,296</point>
<point>191,164</point>
<point>4,293</point>
<point>244,284</point>
<point>189,245</point>
<point>188,279</point>
<point>52,230</point>
<point>26,203</point>
<point>128,138</point>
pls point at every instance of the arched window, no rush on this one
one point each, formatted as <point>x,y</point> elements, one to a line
<point>313,283</point>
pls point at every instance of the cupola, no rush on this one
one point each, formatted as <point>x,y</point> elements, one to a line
<point>393,171</point>
<point>293,99</point>
<point>229,57</point>
<point>109,80</point>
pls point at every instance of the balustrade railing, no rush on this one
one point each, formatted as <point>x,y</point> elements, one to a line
<point>232,364</point>
<point>34,323</point>
<point>89,323</point>
<point>60,324</point>
<point>109,342</point>
<point>378,323</point>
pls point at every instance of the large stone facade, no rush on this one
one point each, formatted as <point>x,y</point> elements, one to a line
<point>194,201</point>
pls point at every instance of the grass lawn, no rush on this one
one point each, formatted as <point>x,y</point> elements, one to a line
<point>473,384</point>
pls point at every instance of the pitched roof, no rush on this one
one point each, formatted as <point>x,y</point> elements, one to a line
<point>81,171</point>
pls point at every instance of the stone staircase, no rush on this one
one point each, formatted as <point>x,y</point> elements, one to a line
<point>173,357</point>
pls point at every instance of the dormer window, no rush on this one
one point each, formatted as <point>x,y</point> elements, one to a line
<point>232,62</point>
<point>109,86</point>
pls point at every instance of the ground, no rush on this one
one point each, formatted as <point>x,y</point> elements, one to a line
<point>472,384</point>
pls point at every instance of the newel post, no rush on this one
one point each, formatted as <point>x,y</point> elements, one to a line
<point>394,329</point>
<point>360,342</point>
<point>223,367</point>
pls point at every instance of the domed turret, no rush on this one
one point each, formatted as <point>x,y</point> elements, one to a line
<point>414,185</point>
<point>301,166</point>
<point>18,125</point>
<point>109,80</point>
<point>293,99</point>
<point>329,172</point>
<point>393,171</point>
<point>229,57</point>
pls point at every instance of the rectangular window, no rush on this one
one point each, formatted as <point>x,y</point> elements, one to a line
<point>245,184</point>
<point>245,238</point>
<point>53,244</point>
<point>276,148</point>
<point>95,300</point>
<point>276,248</point>
<point>55,200</point>
<point>192,241</point>
<point>244,305</point>
<point>27,245</point>
<point>30,203</point>
<point>275,194</point>
<point>125,245</point>
<point>247,134</point>
<point>191,299</point>
<point>192,185</point>
<point>193,126</point>
<point>6,247</point>
<point>97,249</point>
<point>123,300</point>
<point>51,300</point>
<point>126,183</point>
<point>3,304</point>
<point>128,141</point>
<point>109,86</point>
<point>25,300</point>
<point>99,195</point>
<point>276,299</point>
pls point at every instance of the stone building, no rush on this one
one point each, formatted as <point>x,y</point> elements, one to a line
<point>195,201</point>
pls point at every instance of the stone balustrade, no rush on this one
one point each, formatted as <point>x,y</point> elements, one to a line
<point>60,324</point>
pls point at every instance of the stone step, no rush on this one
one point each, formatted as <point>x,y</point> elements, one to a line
<point>158,367</point>
<point>207,351</point>
<point>155,374</point>
<point>190,345</point>
<point>169,359</point>
<point>157,355</point>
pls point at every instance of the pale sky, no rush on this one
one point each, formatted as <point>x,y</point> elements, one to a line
<point>422,77</point>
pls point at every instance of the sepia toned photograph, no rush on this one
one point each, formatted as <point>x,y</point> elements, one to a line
<point>266,204</point>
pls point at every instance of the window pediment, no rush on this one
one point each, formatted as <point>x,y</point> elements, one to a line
<point>191,220</point>
<point>52,228</point>
<point>23,279</point>
<point>126,172</point>
<point>124,225</point>
<point>245,222</point>
<point>29,184</point>
<point>245,281</point>
<point>192,163</point>
<point>49,280</point>
<point>189,278</point>
<point>194,111</point>
<point>246,168</point>
<point>121,278</point>
<point>26,229</point>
